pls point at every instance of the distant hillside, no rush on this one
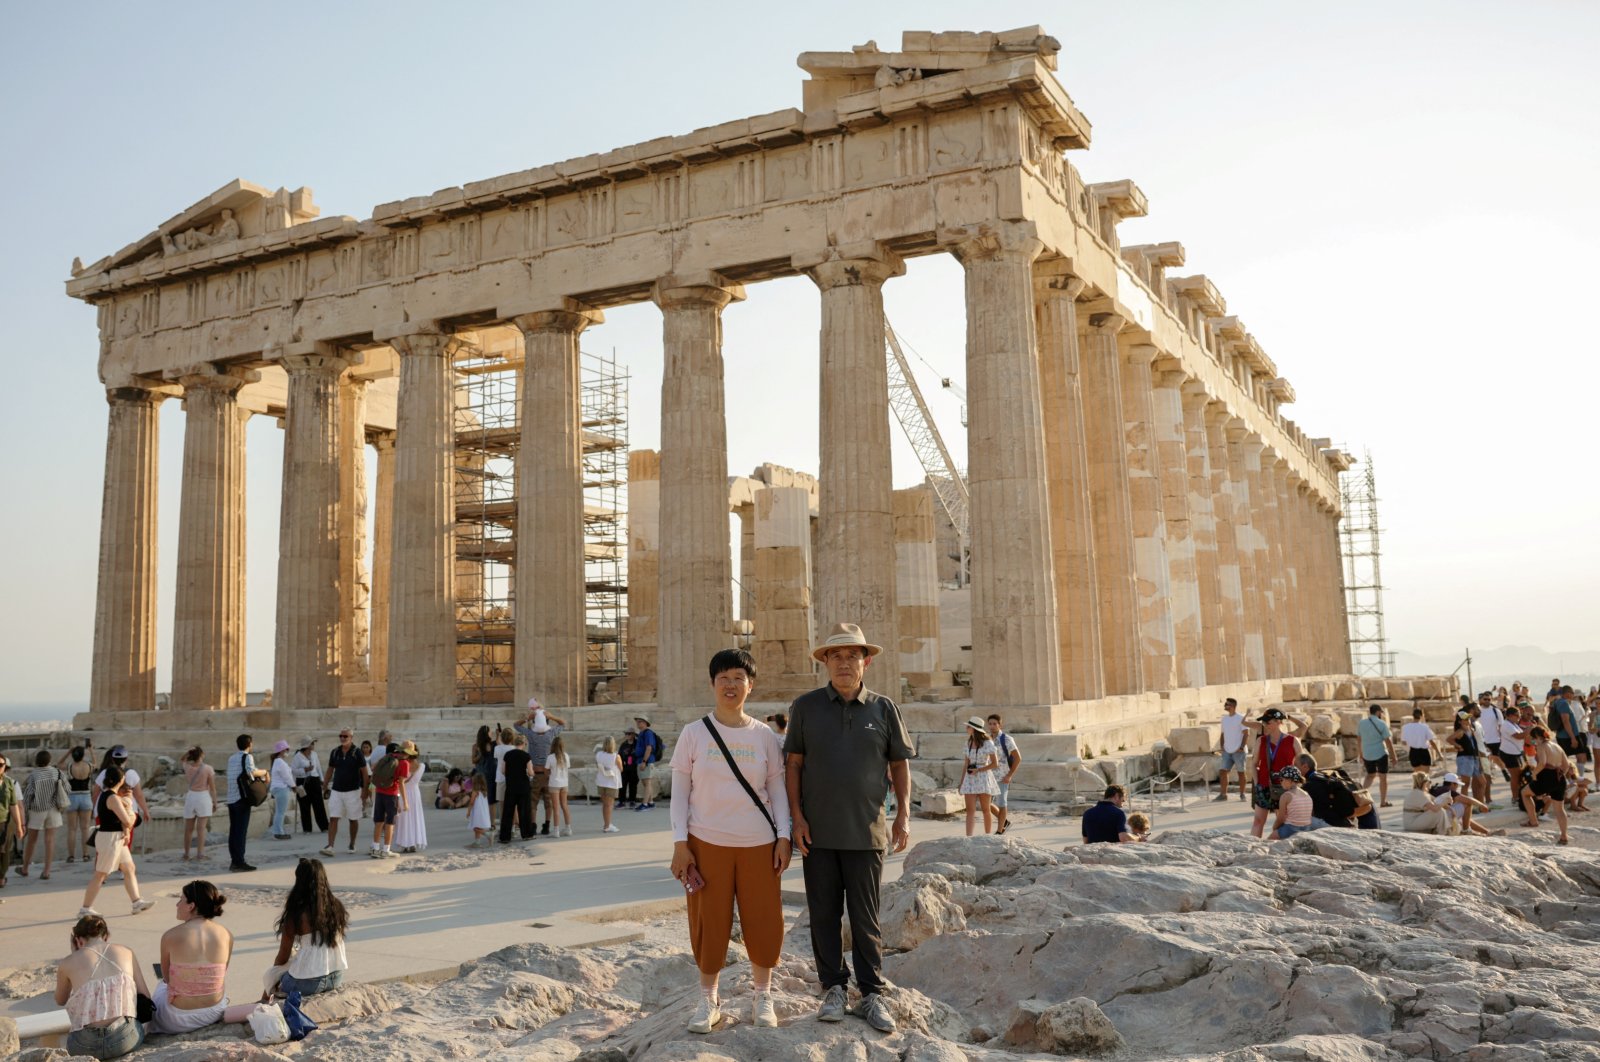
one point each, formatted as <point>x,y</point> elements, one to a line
<point>1527,663</point>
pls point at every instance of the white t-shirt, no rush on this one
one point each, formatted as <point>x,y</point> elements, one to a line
<point>558,773</point>
<point>608,771</point>
<point>1233,732</point>
<point>130,775</point>
<point>1489,721</point>
<point>500,762</point>
<point>282,774</point>
<point>1511,737</point>
<point>1416,735</point>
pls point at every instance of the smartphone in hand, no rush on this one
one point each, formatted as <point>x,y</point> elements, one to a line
<point>692,881</point>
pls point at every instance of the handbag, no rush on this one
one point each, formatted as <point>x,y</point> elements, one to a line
<point>255,792</point>
<point>63,793</point>
<point>268,1024</point>
<point>296,1018</point>
<point>761,807</point>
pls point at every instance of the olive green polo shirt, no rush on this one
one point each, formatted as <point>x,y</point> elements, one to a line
<point>848,747</point>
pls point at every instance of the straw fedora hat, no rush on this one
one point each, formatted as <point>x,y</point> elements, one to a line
<point>845,634</point>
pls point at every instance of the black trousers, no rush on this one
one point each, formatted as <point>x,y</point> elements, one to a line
<point>838,881</point>
<point>313,806</point>
<point>630,786</point>
<point>238,830</point>
<point>516,800</point>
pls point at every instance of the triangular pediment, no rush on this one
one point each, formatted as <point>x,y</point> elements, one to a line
<point>252,210</point>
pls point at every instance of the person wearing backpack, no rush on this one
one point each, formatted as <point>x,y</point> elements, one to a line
<point>46,799</point>
<point>389,776</point>
<point>648,743</point>
<point>241,769</point>
<point>1013,759</point>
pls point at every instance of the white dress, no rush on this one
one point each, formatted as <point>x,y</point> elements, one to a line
<point>981,781</point>
<point>478,817</point>
<point>410,831</point>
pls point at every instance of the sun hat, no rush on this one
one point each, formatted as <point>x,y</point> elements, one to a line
<point>408,749</point>
<point>842,635</point>
<point>281,746</point>
<point>306,742</point>
<point>540,723</point>
<point>533,702</point>
<point>1291,774</point>
<point>977,723</point>
<point>642,719</point>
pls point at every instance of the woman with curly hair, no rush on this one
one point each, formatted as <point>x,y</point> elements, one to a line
<point>311,933</point>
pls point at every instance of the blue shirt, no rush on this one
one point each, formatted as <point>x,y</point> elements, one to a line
<point>1105,823</point>
<point>1374,732</point>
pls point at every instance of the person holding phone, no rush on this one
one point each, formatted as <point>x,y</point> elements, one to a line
<point>978,786</point>
<point>730,832</point>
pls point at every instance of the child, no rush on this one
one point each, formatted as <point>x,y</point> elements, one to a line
<point>556,764</point>
<point>478,812</point>
<point>1294,807</point>
<point>1139,825</point>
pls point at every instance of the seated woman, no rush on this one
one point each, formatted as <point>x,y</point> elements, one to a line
<point>99,984</point>
<point>194,963</point>
<point>311,932</point>
<point>1422,814</point>
<point>453,793</point>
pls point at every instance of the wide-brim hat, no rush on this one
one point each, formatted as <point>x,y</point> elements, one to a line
<point>977,723</point>
<point>306,742</point>
<point>408,749</point>
<point>281,746</point>
<point>843,635</point>
<point>642,719</point>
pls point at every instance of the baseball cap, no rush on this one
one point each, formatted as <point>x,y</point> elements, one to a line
<point>1272,714</point>
<point>1450,778</point>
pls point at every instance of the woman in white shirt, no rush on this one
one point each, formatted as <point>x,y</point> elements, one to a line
<point>556,763</point>
<point>311,931</point>
<point>309,786</point>
<point>608,779</point>
<point>281,787</point>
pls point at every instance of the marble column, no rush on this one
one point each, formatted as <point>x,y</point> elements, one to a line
<point>1172,463</point>
<point>917,587</point>
<point>1055,292</point>
<point>1295,588</point>
<point>1157,640</point>
<point>208,646</point>
<point>1270,576</point>
<point>422,572</point>
<point>744,592</point>
<point>1339,603</point>
<point>122,675</point>
<point>1241,451</point>
<point>382,557</point>
<point>355,582</point>
<point>1203,528</point>
<point>1109,504</point>
<point>306,664</point>
<point>644,571</point>
<point>1015,652</point>
<point>855,562</point>
<point>696,573</point>
<point>552,641</point>
<point>780,585</point>
<point>1230,584</point>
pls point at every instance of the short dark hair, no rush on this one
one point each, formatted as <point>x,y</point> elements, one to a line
<point>779,718</point>
<point>1565,690</point>
<point>732,660</point>
<point>1416,713</point>
<point>1114,791</point>
<point>1231,701</point>
<point>206,898</point>
<point>1305,759</point>
<point>995,716</point>
<point>1376,709</point>
<point>41,758</point>
<point>243,741</point>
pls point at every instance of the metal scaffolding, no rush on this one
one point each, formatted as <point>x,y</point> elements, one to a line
<point>488,389</point>
<point>1359,535</point>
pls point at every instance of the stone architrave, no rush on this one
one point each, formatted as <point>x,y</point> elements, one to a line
<point>306,665</point>
<point>1172,464</point>
<point>696,565</point>
<point>1157,639</point>
<point>355,583</point>
<point>1109,503</point>
<point>122,675</point>
<point>1055,292</point>
<point>551,638</point>
<point>780,586</point>
<point>382,557</point>
<point>208,646</point>
<point>422,571</point>
<point>1203,528</point>
<point>1240,451</point>
<point>1015,652</point>
<point>917,587</point>
<point>644,571</point>
<point>1230,584</point>
<point>855,563</point>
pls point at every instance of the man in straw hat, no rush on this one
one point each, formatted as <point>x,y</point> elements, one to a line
<point>843,745</point>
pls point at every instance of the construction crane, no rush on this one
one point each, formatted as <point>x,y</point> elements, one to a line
<point>947,480</point>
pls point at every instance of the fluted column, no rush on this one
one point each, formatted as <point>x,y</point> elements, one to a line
<point>1109,505</point>
<point>355,583</point>
<point>644,571</point>
<point>855,562</point>
<point>1055,292</point>
<point>422,573</point>
<point>208,646</point>
<point>1203,529</point>
<point>1172,462</point>
<point>1339,603</point>
<point>917,586</point>
<point>1015,652</point>
<point>1270,576</point>
<point>1230,584</point>
<point>1296,587</point>
<point>122,674</point>
<point>552,642</point>
<point>382,557</point>
<point>696,566</point>
<point>306,665</point>
<point>1156,638</point>
<point>780,585</point>
<point>1241,452</point>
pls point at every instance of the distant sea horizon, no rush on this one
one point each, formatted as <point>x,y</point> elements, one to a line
<point>40,711</point>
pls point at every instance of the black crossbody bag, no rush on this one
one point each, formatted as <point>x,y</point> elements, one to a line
<point>723,745</point>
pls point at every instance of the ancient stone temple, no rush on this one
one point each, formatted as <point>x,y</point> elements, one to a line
<point>1148,527</point>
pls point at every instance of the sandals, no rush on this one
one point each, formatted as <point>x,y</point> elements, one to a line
<point>999,831</point>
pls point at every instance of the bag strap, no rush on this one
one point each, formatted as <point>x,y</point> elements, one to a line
<point>734,767</point>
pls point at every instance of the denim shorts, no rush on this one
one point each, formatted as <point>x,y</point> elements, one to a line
<point>80,802</point>
<point>1468,767</point>
<point>310,986</point>
<point>1233,761</point>
<point>1000,799</point>
<point>1287,831</point>
<point>107,1041</point>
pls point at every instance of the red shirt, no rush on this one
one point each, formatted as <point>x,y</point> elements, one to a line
<point>401,773</point>
<point>1273,758</point>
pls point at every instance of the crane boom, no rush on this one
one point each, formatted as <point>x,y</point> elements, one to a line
<point>948,482</point>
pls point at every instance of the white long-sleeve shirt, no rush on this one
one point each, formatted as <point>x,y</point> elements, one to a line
<point>709,802</point>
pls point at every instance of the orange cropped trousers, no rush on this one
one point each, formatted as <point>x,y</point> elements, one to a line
<point>745,875</point>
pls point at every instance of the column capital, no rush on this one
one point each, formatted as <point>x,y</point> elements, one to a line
<point>1100,317</point>
<point>976,243</point>
<point>209,377</point>
<point>1195,393</point>
<point>1141,353</point>
<point>133,394</point>
<point>1054,278</point>
<point>428,343</point>
<point>850,265</point>
<point>572,317</point>
<point>678,291</point>
<point>382,439</point>
<point>1166,376</point>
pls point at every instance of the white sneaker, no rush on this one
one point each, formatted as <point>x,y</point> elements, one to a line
<point>142,905</point>
<point>85,912</point>
<point>762,1012</point>
<point>328,851</point>
<point>706,1016</point>
<point>566,831</point>
<point>611,829</point>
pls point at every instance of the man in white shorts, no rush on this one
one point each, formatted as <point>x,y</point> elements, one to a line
<point>344,784</point>
<point>1232,747</point>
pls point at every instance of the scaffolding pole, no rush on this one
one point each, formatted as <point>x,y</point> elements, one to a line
<point>1360,534</point>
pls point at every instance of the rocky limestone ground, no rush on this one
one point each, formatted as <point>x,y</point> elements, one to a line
<point>1337,946</point>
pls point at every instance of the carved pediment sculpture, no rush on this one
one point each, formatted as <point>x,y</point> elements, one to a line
<point>225,229</point>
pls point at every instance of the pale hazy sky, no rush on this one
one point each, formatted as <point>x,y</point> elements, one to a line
<point>1398,199</point>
